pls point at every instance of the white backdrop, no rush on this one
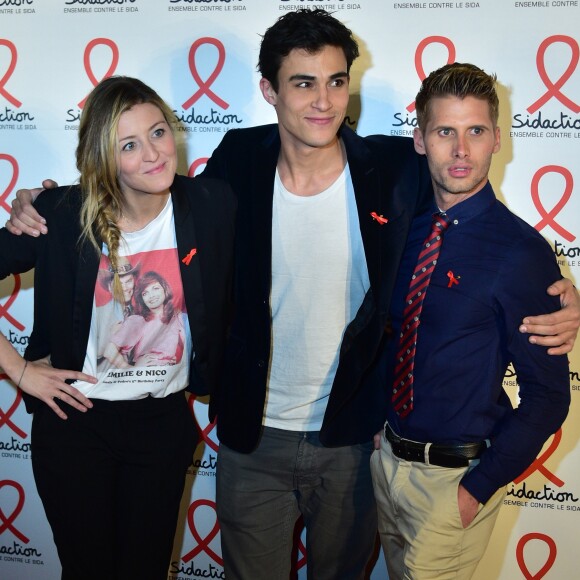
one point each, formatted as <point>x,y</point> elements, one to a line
<point>200,55</point>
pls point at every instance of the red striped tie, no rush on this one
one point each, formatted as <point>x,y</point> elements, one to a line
<point>403,383</point>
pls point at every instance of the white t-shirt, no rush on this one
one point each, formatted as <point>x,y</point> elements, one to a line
<point>319,280</point>
<point>142,347</point>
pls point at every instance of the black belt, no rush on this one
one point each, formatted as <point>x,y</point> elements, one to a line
<point>457,455</point>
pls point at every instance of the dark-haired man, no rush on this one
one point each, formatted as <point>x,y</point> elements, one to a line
<point>319,209</point>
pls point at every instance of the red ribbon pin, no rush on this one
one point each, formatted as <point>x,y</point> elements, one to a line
<point>187,258</point>
<point>452,279</point>
<point>379,218</point>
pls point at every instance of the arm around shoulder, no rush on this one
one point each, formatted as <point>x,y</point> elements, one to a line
<point>24,219</point>
<point>559,329</point>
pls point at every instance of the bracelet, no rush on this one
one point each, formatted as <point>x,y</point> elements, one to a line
<point>22,374</point>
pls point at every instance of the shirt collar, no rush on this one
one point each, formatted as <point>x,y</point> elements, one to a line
<point>472,206</point>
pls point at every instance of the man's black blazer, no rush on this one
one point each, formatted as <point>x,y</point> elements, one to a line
<point>389,179</point>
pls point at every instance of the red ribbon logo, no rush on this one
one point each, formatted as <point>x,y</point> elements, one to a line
<point>7,521</point>
<point>204,86</point>
<point>419,57</point>
<point>554,88</point>
<point>13,58</point>
<point>4,195</point>
<point>87,62</point>
<point>549,562</point>
<point>204,433</point>
<point>202,543</point>
<point>538,463</point>
<point>6,306</point>
<point>301,561</point>
<point>196,165</point>
<point>5,416</point>
<point>548,217</point>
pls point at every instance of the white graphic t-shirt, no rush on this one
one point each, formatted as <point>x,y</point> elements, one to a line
<point>142,347</point>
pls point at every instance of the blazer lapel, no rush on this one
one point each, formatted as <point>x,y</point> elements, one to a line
<point>187,232</point>
<point>384,220</point>
<point>263,169</point>
<point>367,191</point>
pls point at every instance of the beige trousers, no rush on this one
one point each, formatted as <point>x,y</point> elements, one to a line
<point>419,522</point>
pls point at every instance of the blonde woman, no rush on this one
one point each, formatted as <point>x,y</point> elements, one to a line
<point>110,453</point>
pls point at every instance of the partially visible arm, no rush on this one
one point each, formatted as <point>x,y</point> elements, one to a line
<point>559,329</point>
<point>42,381</point>
<point>23,217</point>
<point>38,379</point>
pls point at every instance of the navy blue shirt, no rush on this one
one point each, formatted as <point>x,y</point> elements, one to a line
<point>468,335</point>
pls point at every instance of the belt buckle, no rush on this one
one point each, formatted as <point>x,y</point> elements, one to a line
<point>421,452</point>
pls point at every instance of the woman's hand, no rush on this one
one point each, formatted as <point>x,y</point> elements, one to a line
<point>43,381</point>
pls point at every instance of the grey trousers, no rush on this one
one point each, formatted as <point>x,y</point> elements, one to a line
<point>261,495</point>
